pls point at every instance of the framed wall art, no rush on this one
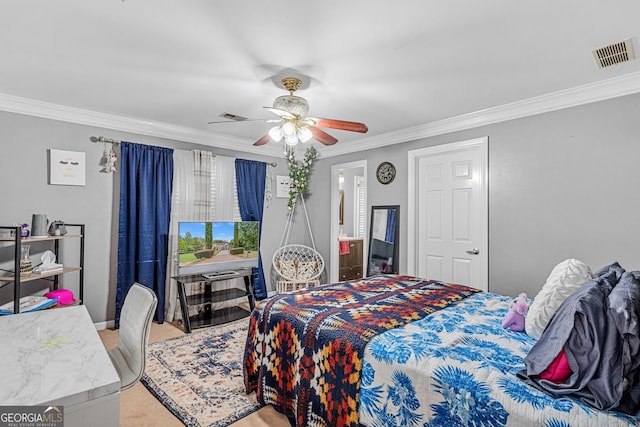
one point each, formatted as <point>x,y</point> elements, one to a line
<point>282,185</point>
<point>66,167</point>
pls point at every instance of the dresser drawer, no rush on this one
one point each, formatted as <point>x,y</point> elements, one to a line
<point>349,273</point>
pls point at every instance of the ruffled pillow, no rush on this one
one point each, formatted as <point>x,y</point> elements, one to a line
<point>565,279</point>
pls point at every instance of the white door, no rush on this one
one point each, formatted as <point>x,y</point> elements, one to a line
<point>450,213</point>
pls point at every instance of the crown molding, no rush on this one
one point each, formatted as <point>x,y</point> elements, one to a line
<point>599,91</point>
<point>593,92</point>
<point>31,107</point>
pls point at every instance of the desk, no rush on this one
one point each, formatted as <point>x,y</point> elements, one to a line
<point>55,357</point>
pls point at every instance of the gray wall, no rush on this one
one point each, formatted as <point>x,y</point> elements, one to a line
<point>561,184</point>
<point>564,184</point>
<point>24,190</point>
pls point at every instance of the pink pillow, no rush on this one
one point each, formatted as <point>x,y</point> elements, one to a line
<point>558,371</point>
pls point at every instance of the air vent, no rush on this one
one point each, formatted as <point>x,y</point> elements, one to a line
<point>614,54</point>
<point>230,116</point>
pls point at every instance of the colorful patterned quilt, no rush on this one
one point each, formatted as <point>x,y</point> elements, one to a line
<point>304,350</point>
<point>457,367</point>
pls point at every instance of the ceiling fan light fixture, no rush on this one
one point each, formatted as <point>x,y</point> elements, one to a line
<point>288,129</point>
<point>291,139</point>
<point>292,104</point>
<point>304,134</point>
<point>275,133</point>
<point>289,150</point>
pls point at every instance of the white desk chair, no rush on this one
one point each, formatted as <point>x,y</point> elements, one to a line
<point>129,357</point>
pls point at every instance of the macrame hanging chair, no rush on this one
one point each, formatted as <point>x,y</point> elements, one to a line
<point>296,266</point>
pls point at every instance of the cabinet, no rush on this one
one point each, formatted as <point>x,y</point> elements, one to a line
<point>208,295</point>
<point>350,264</point>
<point>16,241</point>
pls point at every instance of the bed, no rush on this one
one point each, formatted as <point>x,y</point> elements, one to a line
<point>394,350</point>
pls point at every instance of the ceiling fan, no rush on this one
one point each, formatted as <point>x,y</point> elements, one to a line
<point>292,125</point>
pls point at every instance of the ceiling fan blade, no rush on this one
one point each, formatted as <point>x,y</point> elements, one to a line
<point>341,124</point>
<point>322,136</point>
<point>239,121</point>
<point>282,113</point>
<point>266,138</point>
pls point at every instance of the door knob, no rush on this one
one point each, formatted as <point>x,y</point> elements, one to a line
<point>474,251</point>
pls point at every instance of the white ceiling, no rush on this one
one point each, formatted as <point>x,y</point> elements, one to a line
<point>166,68</point>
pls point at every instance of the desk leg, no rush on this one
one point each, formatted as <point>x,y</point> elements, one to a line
<point>184,307</point>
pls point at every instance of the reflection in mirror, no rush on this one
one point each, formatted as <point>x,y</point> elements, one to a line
<point>341,207</point>
<point>383,240</point>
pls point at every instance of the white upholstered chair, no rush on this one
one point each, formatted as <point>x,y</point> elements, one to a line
<point>129,357</point>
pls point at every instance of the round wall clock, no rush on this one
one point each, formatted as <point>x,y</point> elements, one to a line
<point>385,173</point>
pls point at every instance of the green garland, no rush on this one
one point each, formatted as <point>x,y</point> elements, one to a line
<point>299,174</point>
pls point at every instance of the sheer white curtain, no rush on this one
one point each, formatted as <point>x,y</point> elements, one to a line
<point>182,202</point>
<point>203,167</point>
<point>225,192</point>
<point>204,189</point>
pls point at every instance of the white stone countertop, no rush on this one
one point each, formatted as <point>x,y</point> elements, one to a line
<point>53,356</point>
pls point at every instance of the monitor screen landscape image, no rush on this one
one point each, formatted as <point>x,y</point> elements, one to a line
<point>217,246</point>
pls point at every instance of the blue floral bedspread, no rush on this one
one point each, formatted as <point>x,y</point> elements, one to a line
<point>457,367</point>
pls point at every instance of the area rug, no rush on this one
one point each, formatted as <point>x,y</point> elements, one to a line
<point>198,376</point>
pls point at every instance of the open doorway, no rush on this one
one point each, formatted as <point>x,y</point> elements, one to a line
<point>348,208</point>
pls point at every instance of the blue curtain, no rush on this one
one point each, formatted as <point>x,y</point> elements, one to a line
<point>391,225</point>
<point>250,180</point>
<point>143,226</point>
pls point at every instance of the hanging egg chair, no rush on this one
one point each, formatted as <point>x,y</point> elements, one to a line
<point>296,266</point>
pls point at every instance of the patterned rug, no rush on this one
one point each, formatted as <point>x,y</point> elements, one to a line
<point>198,376</point>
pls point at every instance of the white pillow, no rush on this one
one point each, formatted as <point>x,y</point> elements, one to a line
<point>565,279</point>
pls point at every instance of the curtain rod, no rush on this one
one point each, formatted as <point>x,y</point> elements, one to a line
<point>115,141</point>
<point>103,139</point>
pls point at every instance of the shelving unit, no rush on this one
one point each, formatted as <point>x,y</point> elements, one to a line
<point>17,279</point>
<point>205,300</point>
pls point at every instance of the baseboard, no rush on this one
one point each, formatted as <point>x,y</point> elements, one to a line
<point>105,325</point>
